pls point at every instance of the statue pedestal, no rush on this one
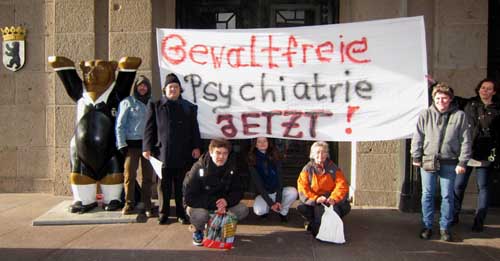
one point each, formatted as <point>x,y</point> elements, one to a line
<point>59,215</point>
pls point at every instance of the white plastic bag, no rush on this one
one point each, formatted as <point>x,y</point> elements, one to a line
<point>332,227</point>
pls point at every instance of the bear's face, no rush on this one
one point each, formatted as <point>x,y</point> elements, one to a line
<point>98,76</point>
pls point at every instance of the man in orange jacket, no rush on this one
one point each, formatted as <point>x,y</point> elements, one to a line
<point>321,182</point>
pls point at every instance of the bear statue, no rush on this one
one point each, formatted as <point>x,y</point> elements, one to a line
<point>93,156</point>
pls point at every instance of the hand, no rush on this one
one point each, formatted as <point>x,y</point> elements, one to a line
<point>129,62</point>
<point>417,164</point>
<point>459,170</point>
<point>276,207</point>
<point>221,205</point>
<point>330,201</point>
<point>60,61</point>
<point>195,153</point>
<point>146,154</point>
<point>321,199</point>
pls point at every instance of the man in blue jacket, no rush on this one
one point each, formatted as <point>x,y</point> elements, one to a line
<point>129,128</point>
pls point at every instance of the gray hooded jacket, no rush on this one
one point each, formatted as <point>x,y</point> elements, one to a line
<point>456,145</point>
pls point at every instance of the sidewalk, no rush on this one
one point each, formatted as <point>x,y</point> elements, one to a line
<point>371,234</point>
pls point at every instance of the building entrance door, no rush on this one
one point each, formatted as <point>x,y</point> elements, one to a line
<point>232,14</point>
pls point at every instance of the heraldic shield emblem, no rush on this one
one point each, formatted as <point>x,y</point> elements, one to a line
<point>13,47</point>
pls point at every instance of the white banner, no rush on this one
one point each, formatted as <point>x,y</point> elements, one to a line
<point>346,82</point>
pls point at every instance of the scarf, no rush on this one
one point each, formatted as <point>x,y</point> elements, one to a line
<point>267,172</point>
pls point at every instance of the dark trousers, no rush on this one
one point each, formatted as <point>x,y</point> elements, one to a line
<point>171,176</point>
<point>132,159</point>
<point>313,213</point>
<point>482,175</point>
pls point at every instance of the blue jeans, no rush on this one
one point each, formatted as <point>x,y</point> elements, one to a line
<point>482,184</point>
<point>447,180</point>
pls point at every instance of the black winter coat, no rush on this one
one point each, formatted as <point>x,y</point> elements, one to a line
<point>172,132</point>
<point>205,183</point>
<point>485,124</point>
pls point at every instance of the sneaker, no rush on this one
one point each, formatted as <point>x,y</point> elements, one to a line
<point>445,235</point>
<point>198,238</point>
<point>149,213</point>
<point>182,220</point>
<point>426,233</point>
<point>307,226</point>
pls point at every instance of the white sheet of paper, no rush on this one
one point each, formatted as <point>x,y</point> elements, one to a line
<point>157,164</point>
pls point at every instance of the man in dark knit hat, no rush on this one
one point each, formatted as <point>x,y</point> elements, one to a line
<point>172,135</point>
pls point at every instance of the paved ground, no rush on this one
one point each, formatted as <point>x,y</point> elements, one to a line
<point>371,234</point>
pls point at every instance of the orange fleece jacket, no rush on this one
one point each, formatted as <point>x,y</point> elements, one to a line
<point>323,184</point>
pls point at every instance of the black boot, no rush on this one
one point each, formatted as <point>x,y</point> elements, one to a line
<point>76,207</point>
<point>163,219</point>
<point>113,205</point>
<point>455,220</point>
<point>87,208</point>
<point>478,225</point>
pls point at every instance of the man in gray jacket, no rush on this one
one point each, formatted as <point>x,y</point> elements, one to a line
<point>442,133</point>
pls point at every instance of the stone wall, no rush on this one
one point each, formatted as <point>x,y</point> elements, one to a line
<point>460,40</point>
<point>456,37</point>
<point>24,95</point>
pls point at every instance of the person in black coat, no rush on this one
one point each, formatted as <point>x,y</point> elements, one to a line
<point>172,135</point>
<point>213,185</point>
<point>483,112</point>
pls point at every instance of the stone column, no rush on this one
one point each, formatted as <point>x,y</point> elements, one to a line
<point>71,34</point>
<point>379,165</point>
<point>131,32</point>
<point>460,55</point>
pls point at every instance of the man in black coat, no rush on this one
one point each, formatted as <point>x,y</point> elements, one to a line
<point>213,185</point>
<point>172,135</point>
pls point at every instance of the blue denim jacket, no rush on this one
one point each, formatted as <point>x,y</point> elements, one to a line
<point>130,121</point>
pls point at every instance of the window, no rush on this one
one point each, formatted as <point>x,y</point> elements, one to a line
<point>225,21</point>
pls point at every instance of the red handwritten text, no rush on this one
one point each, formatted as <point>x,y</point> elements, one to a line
<point>289,123</point>
<point>175,49</point>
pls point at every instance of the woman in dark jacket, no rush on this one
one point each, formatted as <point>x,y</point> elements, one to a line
<point>264,162</point>
<point>483,113</point>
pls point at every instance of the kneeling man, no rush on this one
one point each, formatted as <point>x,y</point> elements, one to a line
<point>213,185</point>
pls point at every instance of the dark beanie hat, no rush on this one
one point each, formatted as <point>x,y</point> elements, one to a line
<point>171,78</point>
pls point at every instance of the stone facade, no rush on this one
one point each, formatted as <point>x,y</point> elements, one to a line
<point>38,116</point>
<point>456,37</point>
